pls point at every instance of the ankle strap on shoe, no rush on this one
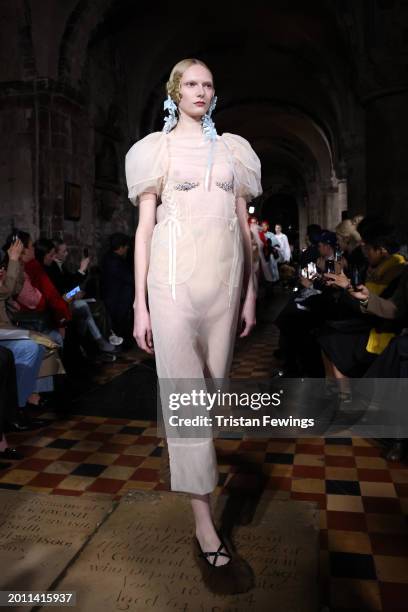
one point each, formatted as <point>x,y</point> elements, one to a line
<point>216,554</point>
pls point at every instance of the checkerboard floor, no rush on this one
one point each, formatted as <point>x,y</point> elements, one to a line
<point>363,499</point>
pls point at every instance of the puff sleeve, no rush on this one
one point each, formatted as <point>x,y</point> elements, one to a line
<point>247,167</point>
<point>146,166</point>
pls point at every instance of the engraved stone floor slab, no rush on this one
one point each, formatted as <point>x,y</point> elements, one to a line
<point>40,534</point>
<point>141,558</point>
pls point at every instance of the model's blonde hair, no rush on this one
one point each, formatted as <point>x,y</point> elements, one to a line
<point>173,84</point>
<point>348,232</point>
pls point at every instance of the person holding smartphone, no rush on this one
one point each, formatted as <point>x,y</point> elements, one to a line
<point>73,295</point>
<point>28,355</point>
<point>326,245</point>
<point>60,273</point>
<point>350,346</point>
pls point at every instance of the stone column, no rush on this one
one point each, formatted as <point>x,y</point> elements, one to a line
<point>356,180</point>
<point>303,221</point>
<point>387,156</point>
<point>18,204</point>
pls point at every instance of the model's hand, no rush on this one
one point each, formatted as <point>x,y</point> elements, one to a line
<point>142,331</point>
<point>247,318</point>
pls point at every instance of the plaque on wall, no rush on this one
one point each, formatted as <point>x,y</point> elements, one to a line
<point>72,202</point>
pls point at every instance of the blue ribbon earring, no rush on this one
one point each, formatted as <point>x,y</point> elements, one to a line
<point>170,121</point>
<point>207,123</point>
<point>210,133</point>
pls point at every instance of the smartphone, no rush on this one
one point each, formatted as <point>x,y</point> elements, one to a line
<point>14,238</point>
<point>86,252</point>
<point>73,292</point>
<point>355,278</point>
<point>304,272</point>
<point>330,268</point>
<point>311,270</point>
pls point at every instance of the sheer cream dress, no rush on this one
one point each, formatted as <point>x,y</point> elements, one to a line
<point>195,271</point>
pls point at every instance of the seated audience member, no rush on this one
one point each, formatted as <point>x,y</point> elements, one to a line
<point>349,347</point>
<point>302,314</point>
<point>29,355</point>
<point>396,307</point>
<point>393,361</point>
<point>90,284</point>
<point>40,298</point>
<point>8,403</point>
<point>117,286</point>
<point>311,252</point>
<point>56,266</point>
<point>349,242</point>
<point>81,313</point>
<point>326,246</point>
<point>38,294</point>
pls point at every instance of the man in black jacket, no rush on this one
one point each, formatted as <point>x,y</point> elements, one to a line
<point>84,313</point>
<point>311,252</point>
<point>63,279</point>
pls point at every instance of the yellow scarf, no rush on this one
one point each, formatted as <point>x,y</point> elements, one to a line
<point>380,278</point>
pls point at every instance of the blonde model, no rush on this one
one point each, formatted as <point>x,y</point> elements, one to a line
<point>193,268</point>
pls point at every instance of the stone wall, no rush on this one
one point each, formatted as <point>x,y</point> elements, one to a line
<point>18,180</point>
<point>80,80</point>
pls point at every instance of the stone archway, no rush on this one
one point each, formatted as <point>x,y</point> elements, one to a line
<point>297,160</point>
<point>285,62</point>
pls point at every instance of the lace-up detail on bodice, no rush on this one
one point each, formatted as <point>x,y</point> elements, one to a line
<point>178,221</point>
<point>173,223</point>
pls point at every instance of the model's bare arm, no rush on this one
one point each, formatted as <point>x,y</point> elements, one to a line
<point>247,317</point>
<point>147,219</point>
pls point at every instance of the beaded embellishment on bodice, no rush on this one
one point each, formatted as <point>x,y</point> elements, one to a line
<point>226,186</point>
<point>186,186</point>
